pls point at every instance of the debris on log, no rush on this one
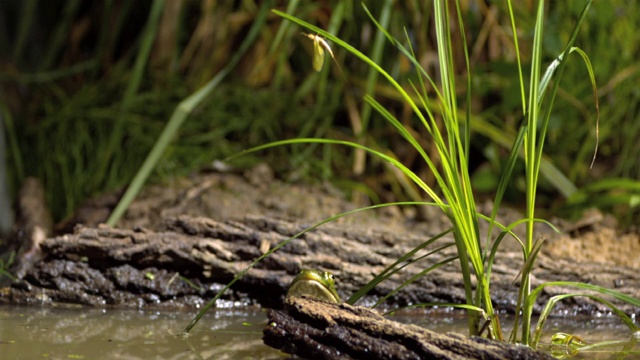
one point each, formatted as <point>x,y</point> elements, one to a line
<point>314,329</point>
<point>35,224</point>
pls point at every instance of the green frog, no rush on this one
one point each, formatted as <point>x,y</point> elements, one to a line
<point>314,284</point>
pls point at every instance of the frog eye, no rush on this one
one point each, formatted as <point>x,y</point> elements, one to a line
<point>330,278</point>
<point>328,275</point>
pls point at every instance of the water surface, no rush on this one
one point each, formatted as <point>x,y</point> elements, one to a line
<point>85,333</point>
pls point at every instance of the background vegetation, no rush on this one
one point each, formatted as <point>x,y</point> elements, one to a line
<point>82,105</point>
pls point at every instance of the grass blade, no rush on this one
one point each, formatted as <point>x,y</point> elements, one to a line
<point>555,299</point>
<point>387,272</point>
<point>179,116</point>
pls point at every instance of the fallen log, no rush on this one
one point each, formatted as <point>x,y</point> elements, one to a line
<point>186,261</point>
<point>319,330</point>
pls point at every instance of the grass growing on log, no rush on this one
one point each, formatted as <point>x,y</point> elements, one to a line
<point>450,134</point>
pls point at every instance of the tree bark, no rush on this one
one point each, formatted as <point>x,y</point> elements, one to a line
<point>318,330</point>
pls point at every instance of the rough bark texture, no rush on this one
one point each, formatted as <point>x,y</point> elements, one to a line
<point>319,330</point>
<point>187,262</point>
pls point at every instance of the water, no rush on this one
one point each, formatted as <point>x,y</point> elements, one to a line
<point>592,329</point>
<point>49,333</point>
<point>54,333</point>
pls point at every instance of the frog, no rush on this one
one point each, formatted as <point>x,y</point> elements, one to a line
<point>315,284</point>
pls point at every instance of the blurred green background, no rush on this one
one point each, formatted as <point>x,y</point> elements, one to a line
<point>82,105</point>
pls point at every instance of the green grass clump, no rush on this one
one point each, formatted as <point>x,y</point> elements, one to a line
<point>448,127</point>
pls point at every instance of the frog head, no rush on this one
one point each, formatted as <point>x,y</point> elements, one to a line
<point>315,284</point>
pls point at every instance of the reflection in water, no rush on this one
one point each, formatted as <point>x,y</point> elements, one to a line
<point>54,333</point>
<point>46,333</point>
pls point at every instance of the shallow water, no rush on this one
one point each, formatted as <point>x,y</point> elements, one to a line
<point>46,333</point>
<point>53,333</point>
